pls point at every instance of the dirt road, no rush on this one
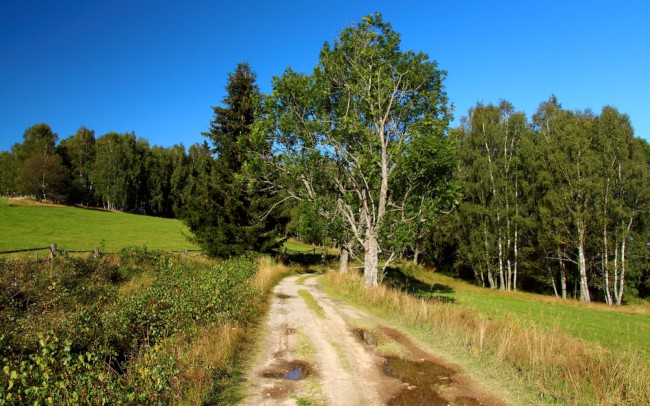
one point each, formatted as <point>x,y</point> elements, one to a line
<point>318,350</point>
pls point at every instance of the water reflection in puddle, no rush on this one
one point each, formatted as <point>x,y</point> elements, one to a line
<point>294,370</point>
<point>422,381</point>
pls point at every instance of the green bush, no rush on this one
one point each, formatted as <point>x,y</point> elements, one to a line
<point>68,336</point>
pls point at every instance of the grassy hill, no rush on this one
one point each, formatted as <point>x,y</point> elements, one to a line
<point>27,224</point>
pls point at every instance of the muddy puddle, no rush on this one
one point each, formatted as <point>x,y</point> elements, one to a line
<point>422,383</point>
<point>283,296</point>
<point>365,336</point>
<point>293,370</point>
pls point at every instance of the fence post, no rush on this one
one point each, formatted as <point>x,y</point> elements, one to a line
<point>96,252</point>
<point>53,250</point>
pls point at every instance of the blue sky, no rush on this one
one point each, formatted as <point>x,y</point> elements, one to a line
<point>156,67</point>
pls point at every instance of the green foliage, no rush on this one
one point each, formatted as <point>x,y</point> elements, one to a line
<point>341,135</point>
<point>68,336</point>
<point>226,214</point>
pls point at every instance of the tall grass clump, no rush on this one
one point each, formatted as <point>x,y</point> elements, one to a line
<point>564,370</point>
<point>141,328</point>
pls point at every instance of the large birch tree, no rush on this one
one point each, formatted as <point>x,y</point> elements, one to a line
<point>345,130</point>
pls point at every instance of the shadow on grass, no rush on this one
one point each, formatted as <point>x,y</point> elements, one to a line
<point>300,258</point>
<point>397,279</point>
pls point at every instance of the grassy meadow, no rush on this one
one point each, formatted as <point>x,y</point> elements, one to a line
<point>615,328</point>
<point>27,224</point>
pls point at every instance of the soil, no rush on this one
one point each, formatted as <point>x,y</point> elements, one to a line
<point>306,358</point>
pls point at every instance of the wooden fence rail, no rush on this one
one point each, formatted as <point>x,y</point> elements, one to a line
<point>54,251</point>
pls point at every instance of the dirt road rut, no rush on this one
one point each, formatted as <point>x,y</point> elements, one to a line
<point>313,352</point>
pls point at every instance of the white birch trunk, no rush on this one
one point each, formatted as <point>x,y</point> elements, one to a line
<point>582,266</point>
<point>345,257</point>
<point>370,260</point>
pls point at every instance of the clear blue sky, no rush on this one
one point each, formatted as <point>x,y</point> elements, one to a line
<point>156,67</point>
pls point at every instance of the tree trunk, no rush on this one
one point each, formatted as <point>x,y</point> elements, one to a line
<point>345,257</point>
<point>370,261</point>
<point>605,267</point>
<point>619,297</point>
<point>502,281</point>
<point>554,284</point>
<point>582,267</point>
<point>416,254</point>
<point>514,273</point>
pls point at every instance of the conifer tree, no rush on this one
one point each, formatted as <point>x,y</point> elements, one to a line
<point>225,215</point>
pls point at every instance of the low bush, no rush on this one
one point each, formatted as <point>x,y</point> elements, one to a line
<point>70,334</point>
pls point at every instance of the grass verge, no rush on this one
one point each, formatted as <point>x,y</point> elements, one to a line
<point>551,367</point>
<point>311,303</point>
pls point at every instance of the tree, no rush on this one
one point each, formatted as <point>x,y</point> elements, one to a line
<point>489,143</point>
<point>8,173</point>
<point>623,198</point>
<point>117,171</point>
<point>225,215</point>
<point>43,176</point>
<point>37,140</point>
<point>344,131</point>
<point>78,152</point>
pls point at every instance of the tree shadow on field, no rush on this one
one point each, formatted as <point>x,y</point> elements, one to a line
<point>302,258</point>
<point>397,279</point>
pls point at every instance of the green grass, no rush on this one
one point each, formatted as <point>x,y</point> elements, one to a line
<point>32,226</point>
<point>299,246</point>
<point>311,303</point>
<point>614,328</point>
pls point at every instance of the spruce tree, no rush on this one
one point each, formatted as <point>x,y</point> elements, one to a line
<point>226,217</point>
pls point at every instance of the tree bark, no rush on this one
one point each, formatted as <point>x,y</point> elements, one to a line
<point>619,297</point>
<point>370,261</point>
<point>345,258</point>
<point>416,254</point>
<point>582,266</point>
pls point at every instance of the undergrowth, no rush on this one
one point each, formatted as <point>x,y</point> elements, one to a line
<point>139,329</point>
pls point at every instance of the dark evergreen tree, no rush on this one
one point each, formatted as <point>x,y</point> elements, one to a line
<point>226,214</point>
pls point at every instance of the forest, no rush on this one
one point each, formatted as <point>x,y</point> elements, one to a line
<point>360,155</point>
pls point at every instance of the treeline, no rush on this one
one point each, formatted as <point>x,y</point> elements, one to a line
<point>114,171</point>
<point>558,203</point>
<point>359,155</point>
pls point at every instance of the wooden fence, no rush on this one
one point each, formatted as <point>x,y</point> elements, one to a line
<point>53,251</point>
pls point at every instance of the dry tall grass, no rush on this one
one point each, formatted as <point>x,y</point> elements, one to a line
<point>212,351</point>
<point>565,369</point>
<point>268,274</point>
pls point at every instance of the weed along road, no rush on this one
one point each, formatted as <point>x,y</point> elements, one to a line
<point>317,350</point>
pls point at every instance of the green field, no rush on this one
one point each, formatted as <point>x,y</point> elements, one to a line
<point>616,328</point>
<point>23,225</point>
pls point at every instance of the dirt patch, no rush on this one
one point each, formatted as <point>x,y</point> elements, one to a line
<point>283,296</point>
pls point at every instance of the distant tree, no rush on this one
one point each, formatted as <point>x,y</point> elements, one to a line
<point>159,169</point>
<point>8,173</point>
<point>117,172</point>
<point>491,174</point>
<point>43,176</point>
<point>225,215</point>
<point>37,140</point>
<point>78,152</point>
